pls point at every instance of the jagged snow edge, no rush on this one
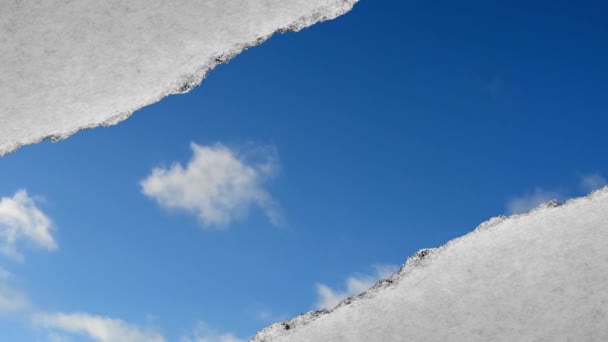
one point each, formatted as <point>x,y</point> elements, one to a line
<point>420,259</point>
<point>190,81</point>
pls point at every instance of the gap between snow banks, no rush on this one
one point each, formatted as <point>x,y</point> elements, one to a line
<point>72,65</point>
<point>539,276</point>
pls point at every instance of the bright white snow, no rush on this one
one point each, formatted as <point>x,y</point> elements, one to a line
<point>541,276</point>
<point>68,65</point>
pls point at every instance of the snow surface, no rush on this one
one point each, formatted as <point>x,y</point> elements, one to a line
<point>540,276</point>
<point>69,65</point>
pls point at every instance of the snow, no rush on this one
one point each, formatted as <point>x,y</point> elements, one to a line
<point>69,65</point>
<point>540,276</point>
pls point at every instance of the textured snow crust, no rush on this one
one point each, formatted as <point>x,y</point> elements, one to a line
<point>69,65</point>
<point>540,276</point>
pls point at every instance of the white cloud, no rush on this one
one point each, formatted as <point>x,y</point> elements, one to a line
<point>267,315</point>
<point>11,299</point>
<point>4,274</point>
<point>55,337</point>
<point>525,203</point>
<point>593,181</point>
<point>522,204</point>
<point>328,298</point>
<point>21,219</point>
<point>218,184</point>
<point>203,333</point>
<point>59,327</point>
<point>97,328</point>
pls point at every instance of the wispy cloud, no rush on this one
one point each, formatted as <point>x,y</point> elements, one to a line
<point>218,184</point>
<point>21,219</point>
<point>97,328</point>
<point>531,200</point>
<point>55,337</point>
<point>328,298</point>
<point>527,202</point>
<point>593,181</point>
<point>203,333</point>
<point>266,315</point>
<point>12,300</point>
<point>4,274</point>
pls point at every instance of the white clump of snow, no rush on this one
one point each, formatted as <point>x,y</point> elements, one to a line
<point>540,276</point>
<point>69,65</point>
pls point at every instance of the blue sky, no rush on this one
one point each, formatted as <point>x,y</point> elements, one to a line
<point>393,128</point>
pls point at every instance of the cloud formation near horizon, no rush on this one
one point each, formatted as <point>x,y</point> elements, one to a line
<point>204,333</point>
<point>525,203</point>
<point>593,182</point>
<point>328,298</point>
<point>97,328</point>
<point>529,201</point>
<point>11,299</point>
<point>21,219</point>
<point>218,184</point>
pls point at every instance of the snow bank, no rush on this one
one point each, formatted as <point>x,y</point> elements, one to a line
<point>69,65</point>
<point>540,276</point>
